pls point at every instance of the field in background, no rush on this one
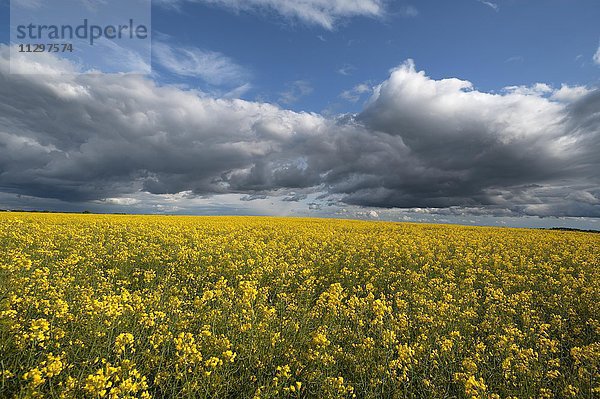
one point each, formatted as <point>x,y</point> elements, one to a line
<point>221,307</point>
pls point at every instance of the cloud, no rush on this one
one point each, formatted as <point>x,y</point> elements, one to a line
<point>354,94</point>
<point>456,146</point>
<point>295,197</point>
<point>493,6</point>
<point>346,70</point>
<point>409,11</point>
<point>537,89</point>
<point>596,57</point>
<point>212,67</point>
<point>238,91</point>
<point>129,59</point>
<point>315,12</point>
<point>124,201</point>
<point>515,59</point>
<point>373,214</point>
<point>254,197</point>
<point>570,94</point>
<point>295,91</point>
<point>418,143</point>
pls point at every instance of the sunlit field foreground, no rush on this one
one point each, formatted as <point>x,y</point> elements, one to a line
<point>223,307</point>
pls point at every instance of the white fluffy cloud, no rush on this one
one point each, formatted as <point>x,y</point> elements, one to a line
<point>419,143</point>
<point>570,93</point>
<point>318,12</point>
<point>597,56</point>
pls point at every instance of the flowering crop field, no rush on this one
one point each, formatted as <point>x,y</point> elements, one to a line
<point>245,307</point>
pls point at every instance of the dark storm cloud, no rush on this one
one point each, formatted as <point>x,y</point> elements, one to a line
<point>443,144</point>
<point>419,143</point>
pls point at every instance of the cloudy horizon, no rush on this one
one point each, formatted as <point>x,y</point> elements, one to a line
<point>209,132</point>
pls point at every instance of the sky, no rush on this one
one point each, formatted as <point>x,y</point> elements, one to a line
<point>466,111</point>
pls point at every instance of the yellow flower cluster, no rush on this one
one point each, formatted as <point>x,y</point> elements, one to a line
<point>124,381</point>
<point>214,307</point>
<point>124,341</point>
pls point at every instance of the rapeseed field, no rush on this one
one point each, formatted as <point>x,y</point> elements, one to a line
<point>244,307</point>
